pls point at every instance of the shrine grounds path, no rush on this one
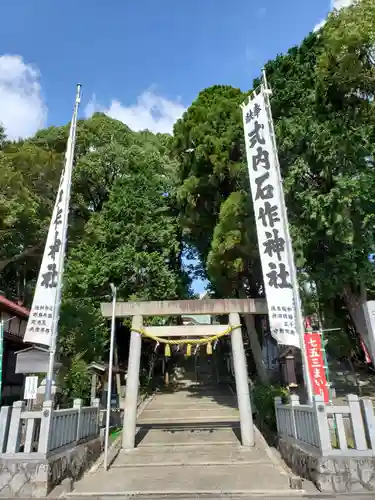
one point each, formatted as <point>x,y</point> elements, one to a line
<point>187,446</point>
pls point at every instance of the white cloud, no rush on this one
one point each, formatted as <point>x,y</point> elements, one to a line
<point>152,112</point>
<point>318,26</point>
<point>22,110</point>
<point>339,4</point>
<point>335,4</point>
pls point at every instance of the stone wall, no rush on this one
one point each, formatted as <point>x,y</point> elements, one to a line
<point>333,474</point>
<point>34,476</point>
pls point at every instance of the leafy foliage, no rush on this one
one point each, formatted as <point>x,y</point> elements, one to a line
<point>215,207</point>
<point>29,178</point>
<point>325,153</point>
<point>123,229</point>
<point>347,62</point>
<point>74,378</point>
<point>139,199</point>
<point>323,110</point>
<point>263,397</point>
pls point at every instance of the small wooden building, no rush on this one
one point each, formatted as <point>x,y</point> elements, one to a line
<point>15,318</point>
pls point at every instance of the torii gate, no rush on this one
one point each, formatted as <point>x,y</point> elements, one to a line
<point>231,307</point>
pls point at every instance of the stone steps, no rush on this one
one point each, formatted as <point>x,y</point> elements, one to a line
<point>192,454</point>
<point>180,412</point>
<point>187,437</point>
<point>188,446</point>
<point>194,419</point>
<point>228,478</point>
<point>192,405</point>
<point>216,495</point>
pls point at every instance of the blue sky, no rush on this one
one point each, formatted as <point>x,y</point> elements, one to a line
<point>141,61</point>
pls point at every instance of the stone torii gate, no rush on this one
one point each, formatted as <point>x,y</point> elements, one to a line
<point>231,307</point>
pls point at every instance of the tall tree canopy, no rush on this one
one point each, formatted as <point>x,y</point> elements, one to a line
<point>124,227</point>
<point>216,209</point>
<point>326,146</point>
<point>324,117</point>
<point>138,198</point>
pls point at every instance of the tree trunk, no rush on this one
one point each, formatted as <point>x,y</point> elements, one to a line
<point>28,252</point>
<point>255,344</point>
<point>256,349</point>
<point>354,304</point>
<point>355,376</point>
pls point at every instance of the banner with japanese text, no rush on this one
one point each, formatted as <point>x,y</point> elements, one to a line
<point>267,199</point>
<point>317,369</point>
<point>40,323</point>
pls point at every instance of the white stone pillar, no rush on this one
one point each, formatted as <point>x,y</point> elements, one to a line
<point>5,414</point>
<point>132,385</point>
<point>45,427</point>
<point>14,435</point>
<point>77,405</point>
<point>94,383</point>
<point>242,386</point>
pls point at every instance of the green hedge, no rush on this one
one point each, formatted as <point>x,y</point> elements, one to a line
<point>263,397</point>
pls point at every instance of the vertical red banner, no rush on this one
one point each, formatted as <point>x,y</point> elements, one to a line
<point>315,358</point>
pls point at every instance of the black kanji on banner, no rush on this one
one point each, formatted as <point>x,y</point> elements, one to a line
<point>264,191</point>
<point>278,276</point>
<point>269,214</point>
<point>49,277</point>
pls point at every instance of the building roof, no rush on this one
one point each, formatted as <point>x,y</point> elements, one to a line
<point>197,319</point>
<point>15,308</point>
<point>33,348</point>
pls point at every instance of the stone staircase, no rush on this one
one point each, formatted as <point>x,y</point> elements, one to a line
<point>187,446</point>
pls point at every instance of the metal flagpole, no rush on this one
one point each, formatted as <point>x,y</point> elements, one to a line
<point>110,370</point>
<point>69,157</point>
<point>293,272</point>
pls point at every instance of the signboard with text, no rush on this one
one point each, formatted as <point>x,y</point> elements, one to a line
<point>31,387</point>
<point>317,369</point>
<point>270,217</point>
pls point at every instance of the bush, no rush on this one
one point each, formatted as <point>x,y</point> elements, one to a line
<point>263,397</point>
<point>75,380</point>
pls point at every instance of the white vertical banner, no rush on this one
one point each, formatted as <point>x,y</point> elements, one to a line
<point>40,323</point>
<point>44,314</point>
<point>369,339</point>
<point>271,221</point>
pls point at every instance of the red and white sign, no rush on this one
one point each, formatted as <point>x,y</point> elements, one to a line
<point>308,323</point>
<point>315,359</point>
<point>365,350</point>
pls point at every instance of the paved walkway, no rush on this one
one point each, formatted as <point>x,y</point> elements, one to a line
<point>188,443</point>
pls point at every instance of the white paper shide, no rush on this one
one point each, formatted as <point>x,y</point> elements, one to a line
<point>40,324</point>
<point>270,220</point>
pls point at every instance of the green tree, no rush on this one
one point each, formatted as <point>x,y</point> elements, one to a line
<point>216,210</point>
<point>346,81</point>
<point>347,62</point>
<point>123,227</point>
<point>326,150</point>
<point>325,135</point>
<point>132,238</point>
<point>29,176</point>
